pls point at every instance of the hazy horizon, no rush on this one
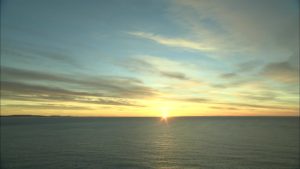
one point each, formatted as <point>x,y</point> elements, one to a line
<point>158,116</point>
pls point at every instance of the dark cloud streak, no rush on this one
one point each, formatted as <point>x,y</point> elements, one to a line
<point>110,86</point>
<point>228,75</point>
<point>282,72</point>
<point>136,64</point>
<point>32,51</point>
<point>175,75</point>
<point>27,92</point>
<point>29,85</point>
<point>46,106</point>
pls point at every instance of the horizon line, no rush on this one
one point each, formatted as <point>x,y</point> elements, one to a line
<point>30,115</point>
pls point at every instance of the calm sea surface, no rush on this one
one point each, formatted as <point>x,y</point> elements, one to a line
<point>116,143</point>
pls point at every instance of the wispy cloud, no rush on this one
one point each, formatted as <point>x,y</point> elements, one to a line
<point>238,105</point>
<point>228,75</point>
<point>261,96</point>
<point>248,66</point>
<point>159,66</point>
<point>37,93</point>
<point>266,29</point>
<point>224,108</point>
<point>259,106</point>
<point>29,52</point>
<point>173,42</point>
<point>110,86</point>
<point>176,75</point>
<point>195,100</point>
<point>282,72</point>
<point>29,85</point>
<point>46,106</point>
<point>23,74</point>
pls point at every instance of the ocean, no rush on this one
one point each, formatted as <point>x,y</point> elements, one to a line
<point>141,143</point>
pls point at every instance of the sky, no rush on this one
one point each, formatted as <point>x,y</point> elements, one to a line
<point>150,57</point>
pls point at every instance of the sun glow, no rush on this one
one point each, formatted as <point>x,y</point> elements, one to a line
<point>164,114</point>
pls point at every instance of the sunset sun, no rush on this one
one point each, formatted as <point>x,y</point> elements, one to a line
<point>164,114</point>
